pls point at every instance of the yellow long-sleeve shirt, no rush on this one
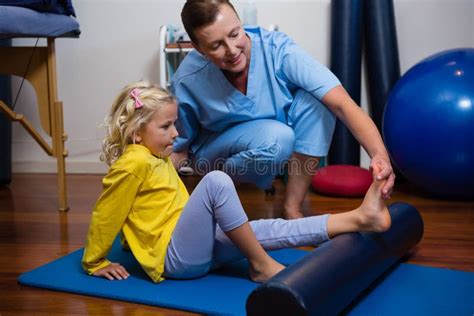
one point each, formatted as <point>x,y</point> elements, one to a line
<point>143,198</point>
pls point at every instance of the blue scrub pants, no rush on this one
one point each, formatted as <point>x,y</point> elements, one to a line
<point>256,151</point>
<point>199,243</point>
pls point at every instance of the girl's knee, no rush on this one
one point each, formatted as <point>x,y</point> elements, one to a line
<point>218,178</point>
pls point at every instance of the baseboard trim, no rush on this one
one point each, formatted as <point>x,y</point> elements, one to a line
<point>72,167</point>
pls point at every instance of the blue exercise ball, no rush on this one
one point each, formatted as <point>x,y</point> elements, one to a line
<point>428,124</point>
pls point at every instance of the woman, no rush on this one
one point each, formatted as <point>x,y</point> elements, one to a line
<point>251,101</point>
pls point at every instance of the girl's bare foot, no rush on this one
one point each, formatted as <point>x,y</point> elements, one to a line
<point>265,271</point>
<point>373,212</point>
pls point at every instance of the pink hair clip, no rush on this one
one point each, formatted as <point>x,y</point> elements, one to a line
<point>134,94</point>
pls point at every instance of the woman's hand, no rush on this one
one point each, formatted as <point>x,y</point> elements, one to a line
<point>382,170</point>
<point>114,271</point>
<point>179,159</point>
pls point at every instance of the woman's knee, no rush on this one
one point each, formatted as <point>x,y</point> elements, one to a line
<point>283,142</point>
<point>278,140</point>
<point>286,142</point>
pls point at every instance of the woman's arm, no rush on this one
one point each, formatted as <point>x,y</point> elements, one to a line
<point>179,159</point>
<point>365,131</point>
<point>300,69</point>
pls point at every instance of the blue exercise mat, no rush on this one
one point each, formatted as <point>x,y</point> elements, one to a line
<point>408,289</point>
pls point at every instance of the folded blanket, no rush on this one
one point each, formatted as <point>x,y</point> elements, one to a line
<point>23,22</point>
<point>50,6</point>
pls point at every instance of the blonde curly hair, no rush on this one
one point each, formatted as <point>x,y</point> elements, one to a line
<point>125,119</point>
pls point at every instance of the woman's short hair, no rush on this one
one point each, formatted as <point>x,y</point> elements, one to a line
<point>200,13</point>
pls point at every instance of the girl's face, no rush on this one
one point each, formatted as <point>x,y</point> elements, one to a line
<point>160,132</point>
<point>224,42</point>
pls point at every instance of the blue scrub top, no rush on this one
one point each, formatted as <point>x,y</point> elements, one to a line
<point>209,103</point>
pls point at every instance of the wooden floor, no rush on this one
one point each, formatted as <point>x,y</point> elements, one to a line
<point>33,232</point>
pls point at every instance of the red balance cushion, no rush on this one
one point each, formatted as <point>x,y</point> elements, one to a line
<point>342,180</point>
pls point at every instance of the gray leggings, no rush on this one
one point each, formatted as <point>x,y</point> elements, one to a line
<point>199,242</point>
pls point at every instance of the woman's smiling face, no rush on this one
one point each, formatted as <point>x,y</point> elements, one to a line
<point>224,42</point>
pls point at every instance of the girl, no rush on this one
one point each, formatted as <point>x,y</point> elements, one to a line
<point>173,235</point>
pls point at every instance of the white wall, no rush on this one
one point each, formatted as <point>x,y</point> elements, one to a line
<point>119,44</point>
